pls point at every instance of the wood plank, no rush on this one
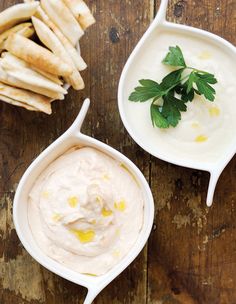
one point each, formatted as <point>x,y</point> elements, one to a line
<point>191,252</point>
<point>194,244</point>
<point>24,135</point>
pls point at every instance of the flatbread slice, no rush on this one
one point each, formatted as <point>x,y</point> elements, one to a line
<point>62,17</point>
<point>21,63</point>
<point>16,14</point>
<point>25,99</point>
<point>16,29</point>
<point>71,50</point>
<point>16,79</point>
<point>50,40</point>
<point>37,55</point>
<point>81,12</point>
<point>32,77</point>
<point>17,103</point>
<point>27,32</point>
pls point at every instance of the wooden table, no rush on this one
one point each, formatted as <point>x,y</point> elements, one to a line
<point>191,254</point>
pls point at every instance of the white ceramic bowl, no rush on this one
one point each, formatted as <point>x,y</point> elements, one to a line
<point>70,138</point>
<point>216,168</point>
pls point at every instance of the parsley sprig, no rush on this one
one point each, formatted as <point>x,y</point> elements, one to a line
<point>175,90</point>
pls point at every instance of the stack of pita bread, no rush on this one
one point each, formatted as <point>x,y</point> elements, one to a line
<point>33,75</point>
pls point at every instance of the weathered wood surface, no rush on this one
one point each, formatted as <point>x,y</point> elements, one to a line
<point>191,254</point>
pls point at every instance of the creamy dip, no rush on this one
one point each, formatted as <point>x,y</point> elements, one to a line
<point>207,129</point>
<point>86,211</point>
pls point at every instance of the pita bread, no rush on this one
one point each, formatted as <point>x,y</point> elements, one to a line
<point>50,40</point>
<point>24,31</point>
<point>16,29</point>
<point>25,99</point>
<point>21,80</point>
<point>16,103</point>
<point>32,77</point>
<point>81,12</point>
<point>37,55</point>
<point>27,32</point>
<point>21,63</point>
<point>62,17</point>
<point>71,50</point>
<point>16,14</point>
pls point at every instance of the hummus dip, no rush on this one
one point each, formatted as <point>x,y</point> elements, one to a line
<point>86,211</point>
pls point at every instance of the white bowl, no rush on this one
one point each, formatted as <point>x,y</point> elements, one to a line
<point>215,168</point>
<point>71,138</point>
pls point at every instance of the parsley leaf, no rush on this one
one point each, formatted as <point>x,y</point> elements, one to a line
<point>175,57</point>
<point>203,82</point>
<point>172,108</point>
<point>170,113</point>
<point>171,79</point>
<point>190,82</point>
<point>175,90</point>
<point>182,91</point>
<point>148,89</point>
<point>158,120</point>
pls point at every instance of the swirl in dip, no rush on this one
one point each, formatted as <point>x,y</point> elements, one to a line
<point>86,211</point>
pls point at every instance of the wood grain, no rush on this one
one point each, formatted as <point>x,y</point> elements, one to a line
<point>191,254</point>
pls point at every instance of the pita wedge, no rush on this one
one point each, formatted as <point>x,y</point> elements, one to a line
<point>17,103</point>
<point>50,40</point>
<point>25,99</point>
<point>37,55</point>
<point>27,32</point>
<point>81,12</point>
<point>24,80</point>
<point>16,14</point>
<point>62,17</point>
<point>20,29</point>
<point>71,50</point>
<point>32,77</point>
<point>10,58</point>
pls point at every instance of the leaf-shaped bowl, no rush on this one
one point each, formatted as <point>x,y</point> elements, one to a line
<point>142,64</point>
<point>73,137</point>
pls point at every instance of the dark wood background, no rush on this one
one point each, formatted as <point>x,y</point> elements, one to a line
<point>191,254</point>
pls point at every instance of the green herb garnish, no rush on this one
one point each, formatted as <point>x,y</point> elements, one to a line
<point>175,90</point>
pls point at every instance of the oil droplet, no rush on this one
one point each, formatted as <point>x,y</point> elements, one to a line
<point>106,212</point>
<point>120,206</point>
<point>73,201</point>
<point>45,194</point>
<point>201,138</point>
<point>99,200</point>
<point>118,231</point>
<point>205,55</point>
<point>84,236</point>
<point>93,222</point>
<point>214,111</point>
<point>56,217</point>
<point>90,274</point>
<point>106,177</point>
<point>116,253</point>
<point>195,125</point>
